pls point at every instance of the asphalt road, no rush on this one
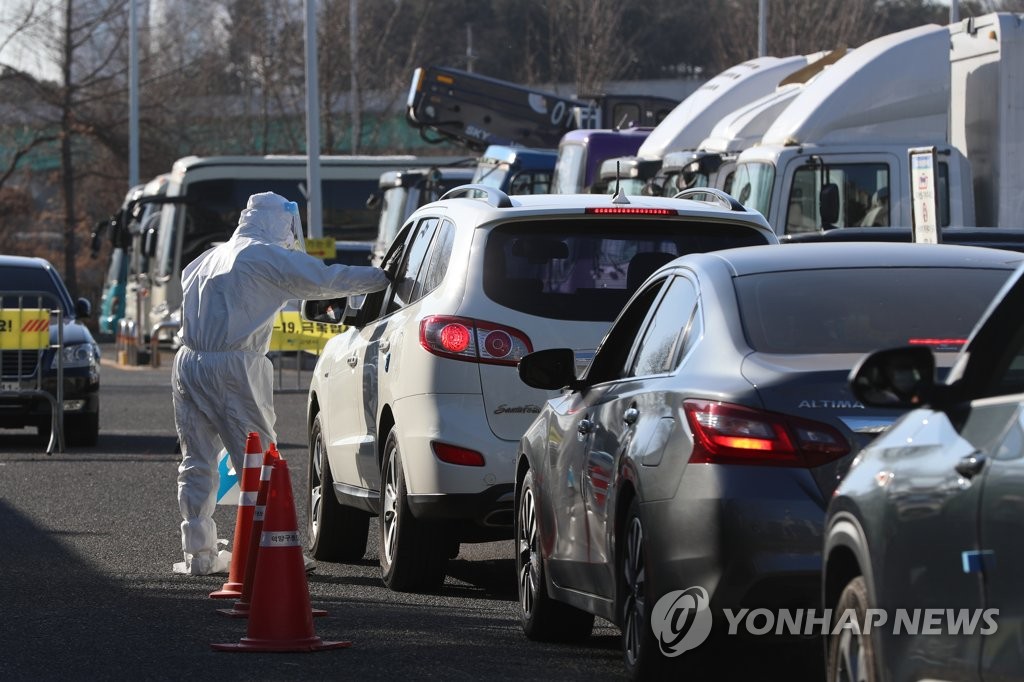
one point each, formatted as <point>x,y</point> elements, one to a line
<point>87,592</point>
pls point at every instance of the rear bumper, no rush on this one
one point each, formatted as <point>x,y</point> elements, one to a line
<point>751,536</point>
<point>480,495</point>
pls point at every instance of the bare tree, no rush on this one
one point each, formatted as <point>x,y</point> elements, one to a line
<point>794,27</point>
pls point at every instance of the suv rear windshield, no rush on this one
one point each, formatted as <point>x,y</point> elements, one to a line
<point>858,310</point>
<point>586,269</point>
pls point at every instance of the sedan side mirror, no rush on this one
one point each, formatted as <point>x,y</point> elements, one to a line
<point>550,369</point>
<point>898,377</point>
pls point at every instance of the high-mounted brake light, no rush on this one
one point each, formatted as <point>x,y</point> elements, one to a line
<point>461,338</point>
<point>952,344</point>
<point>634,211</point>
<point>734,434</point>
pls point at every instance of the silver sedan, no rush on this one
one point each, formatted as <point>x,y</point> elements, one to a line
<point>696,456</point>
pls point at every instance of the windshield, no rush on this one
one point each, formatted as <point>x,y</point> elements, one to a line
<point>32,279</point>
<point>492,175</point>
<point>586,269</point>
<point>753,185</point>
<point>568,178</point>
<point>815,311</point>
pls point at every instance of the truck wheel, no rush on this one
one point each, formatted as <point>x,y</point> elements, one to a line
<point>413,552</point>
<point>336,532</point>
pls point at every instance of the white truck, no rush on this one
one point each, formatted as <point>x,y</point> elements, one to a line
<point>837,156</point>
<point>699,116</point>
<point>987,113</point>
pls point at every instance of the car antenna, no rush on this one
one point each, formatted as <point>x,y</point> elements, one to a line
<point>619,197</point>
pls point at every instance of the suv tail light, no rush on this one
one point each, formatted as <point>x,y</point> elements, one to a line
<point>461,338</point>
<point>733,434</point>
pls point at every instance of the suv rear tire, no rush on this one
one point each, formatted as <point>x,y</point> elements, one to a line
<point>413,552</point>
<point>336,532</point>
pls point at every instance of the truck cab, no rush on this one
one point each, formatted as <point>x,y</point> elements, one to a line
<point>838,154</point>
<point>581,153</point>
<point>516,170</point>
<point>401,192</point>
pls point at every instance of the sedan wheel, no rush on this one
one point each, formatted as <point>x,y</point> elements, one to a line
<point>851,655</point>
<point>543,618</point>
<point>336,532</point>
<point>413,552</point>
<point>639,649</point>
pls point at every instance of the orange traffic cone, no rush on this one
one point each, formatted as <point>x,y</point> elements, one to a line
<point>248,487</point>
<point>241,607</point>
<point>280,616</point>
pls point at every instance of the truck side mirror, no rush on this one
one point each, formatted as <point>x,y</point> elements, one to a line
<point>828,205</point>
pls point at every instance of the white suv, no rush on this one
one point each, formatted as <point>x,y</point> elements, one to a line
<point>415,412</point>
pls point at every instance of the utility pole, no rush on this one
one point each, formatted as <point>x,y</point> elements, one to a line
<point>355,105</point>
<point>133,94</point>
<point>954,11</point>
<point>66,169</point>
<point>762,28</point>
<point>314,209</point>
<point>470,57</point>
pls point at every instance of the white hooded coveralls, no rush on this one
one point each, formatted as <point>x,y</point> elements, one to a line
<point>222,380</point>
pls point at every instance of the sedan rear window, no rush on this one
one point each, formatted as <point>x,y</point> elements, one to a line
<point>859,310</point>
<point>586,269</point>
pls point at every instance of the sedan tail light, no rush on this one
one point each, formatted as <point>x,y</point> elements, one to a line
<point>733,434</point>
<point>461,338</point>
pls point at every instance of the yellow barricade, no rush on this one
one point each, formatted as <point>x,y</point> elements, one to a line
<point>292,333</point>
<point>24,328</point>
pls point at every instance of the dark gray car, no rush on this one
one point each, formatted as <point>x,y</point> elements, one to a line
<point>706,437</point>
<point>929,522</point>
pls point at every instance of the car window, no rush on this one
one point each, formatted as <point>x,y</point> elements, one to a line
<point>858,310</point>
<point>612,357</point>
<point>437,260</point>
<point>586,269</point>
<point>405,280</point>
<point>659,349</point>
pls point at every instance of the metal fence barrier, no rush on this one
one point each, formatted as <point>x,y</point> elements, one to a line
<point>26,318</point>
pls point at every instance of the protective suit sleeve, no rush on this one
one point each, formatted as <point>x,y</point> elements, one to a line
<point>305,276</point>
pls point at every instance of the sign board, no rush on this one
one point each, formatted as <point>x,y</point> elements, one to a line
<point>322,247</point>
<point>292,333</point>
<point>228,491</point>
<point>24,328</point>
<point>923,195</point>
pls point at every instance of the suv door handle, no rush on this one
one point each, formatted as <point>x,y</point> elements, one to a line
<point>585,427</point>
<point>969,467</point>
<point>385,345</point>
<point>631,415</point>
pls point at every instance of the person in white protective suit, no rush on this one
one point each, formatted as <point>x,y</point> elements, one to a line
<point>222,380</point>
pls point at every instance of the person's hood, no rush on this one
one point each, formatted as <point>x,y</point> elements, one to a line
<point>272,219</point>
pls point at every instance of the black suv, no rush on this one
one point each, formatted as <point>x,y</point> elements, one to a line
<point>20,368</point>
